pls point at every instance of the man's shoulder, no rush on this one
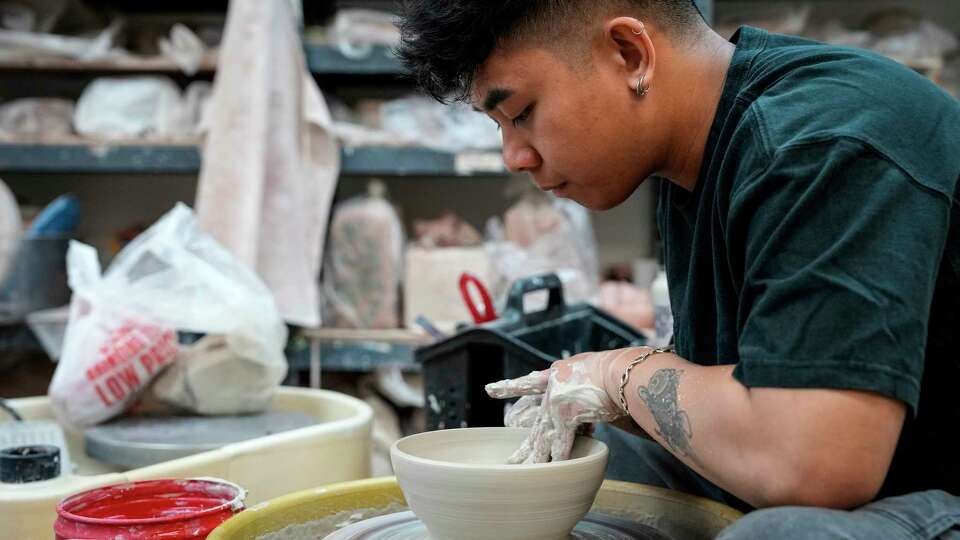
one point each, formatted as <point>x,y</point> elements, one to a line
<point>801,92</point>
<point>804,87</point>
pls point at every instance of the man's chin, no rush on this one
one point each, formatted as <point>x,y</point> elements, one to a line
<point>570,192</point>
<point>597,205</point>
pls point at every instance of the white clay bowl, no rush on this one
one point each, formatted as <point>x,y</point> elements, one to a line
<point>458,483</point>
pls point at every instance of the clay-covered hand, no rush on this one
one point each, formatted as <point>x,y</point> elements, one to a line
<point>555,402</point>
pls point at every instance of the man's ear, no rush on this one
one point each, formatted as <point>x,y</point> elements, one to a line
<point>629,41</point>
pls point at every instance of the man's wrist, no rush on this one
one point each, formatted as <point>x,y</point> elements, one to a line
<point>615,370</point>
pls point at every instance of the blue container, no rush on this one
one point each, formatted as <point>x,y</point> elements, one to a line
<point>36,280</point>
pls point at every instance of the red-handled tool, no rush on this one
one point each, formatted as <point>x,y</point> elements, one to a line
<point>489,313</point>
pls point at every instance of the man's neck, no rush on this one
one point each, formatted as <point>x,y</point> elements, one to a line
<point>701,75</point>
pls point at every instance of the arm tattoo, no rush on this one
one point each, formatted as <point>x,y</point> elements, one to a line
<point>673,424</point>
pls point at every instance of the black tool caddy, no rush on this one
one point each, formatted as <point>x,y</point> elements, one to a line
<point>456,369</point>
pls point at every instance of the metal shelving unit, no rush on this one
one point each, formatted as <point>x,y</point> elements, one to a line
<point>74,155</point>
<point>321,60</point>
<point>122,66</point>
<point>344,350</point>
<point>147,158</point>
<point>328,60</point>
<point>98,157</point>
<point>856,15</point>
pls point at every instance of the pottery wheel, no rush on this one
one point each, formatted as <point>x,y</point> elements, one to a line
<point>138,441</point>
<point>406,526</point>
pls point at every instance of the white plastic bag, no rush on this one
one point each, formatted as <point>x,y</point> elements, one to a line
<point>450,128</point>
<point>129,107</point>
<point>17,45</point>
<point>184,47</point>
<point>356,31</point>
<point>121,331</point>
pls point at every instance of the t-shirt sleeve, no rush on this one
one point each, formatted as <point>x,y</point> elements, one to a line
<point>841,250</point>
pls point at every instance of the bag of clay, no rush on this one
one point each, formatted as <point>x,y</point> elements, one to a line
<point>449,230</point>
<point>118,107</point>
<point>542,234</point>
<point>362,269</point>
<point>37,116</point>
<point>213,376</point>
<point>122,327</point>
<point>356,31</point>
<point>455,127</point>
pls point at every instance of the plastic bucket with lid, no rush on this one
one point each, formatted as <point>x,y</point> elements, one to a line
<point>171,509</point>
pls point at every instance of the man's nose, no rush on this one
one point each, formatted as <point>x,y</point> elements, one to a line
<point>519,156</point>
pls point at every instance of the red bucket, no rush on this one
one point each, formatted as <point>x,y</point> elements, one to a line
<point>152,509</point>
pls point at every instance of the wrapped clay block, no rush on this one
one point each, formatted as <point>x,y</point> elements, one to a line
<point>432,288</point>
<point>362,271</point>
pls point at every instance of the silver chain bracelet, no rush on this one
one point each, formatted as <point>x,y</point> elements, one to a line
<point>626,373</point>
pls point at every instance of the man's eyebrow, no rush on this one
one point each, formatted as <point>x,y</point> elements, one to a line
<point>494,97</point>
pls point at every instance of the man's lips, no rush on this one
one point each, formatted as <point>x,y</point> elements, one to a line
<point>551,187</point>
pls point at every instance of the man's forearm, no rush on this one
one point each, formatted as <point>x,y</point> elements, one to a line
<point>716,426</point>
<point>675,402</point>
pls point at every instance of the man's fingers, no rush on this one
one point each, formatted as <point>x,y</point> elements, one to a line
<point>545,431</point>
<point>522,454</point>
<point>528,385</point>
<point>524,412</point>
<point>562,443</point>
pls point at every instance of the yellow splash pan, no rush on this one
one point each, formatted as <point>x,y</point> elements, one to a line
<point>677,514</point>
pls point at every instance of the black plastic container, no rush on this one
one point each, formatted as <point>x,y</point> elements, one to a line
<point>455,370</point>
<point>24,464</point>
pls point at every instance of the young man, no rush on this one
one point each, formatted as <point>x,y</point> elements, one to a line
<point>810,216</point>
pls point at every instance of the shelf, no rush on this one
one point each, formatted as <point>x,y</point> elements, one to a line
<point>359,350</point>
<point>154,64</point>
<point>162,158</point>
<point>358,357</point>
<point>328,60</point>
<point>348,335</point>
<point>100,157</point>
<point>420,162</point>
<point>321,60</point>
<point>721,2</point>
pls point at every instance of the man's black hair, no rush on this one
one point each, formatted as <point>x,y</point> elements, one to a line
<point>444,42</point>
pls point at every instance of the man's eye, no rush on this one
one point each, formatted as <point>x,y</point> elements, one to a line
<point>522,117</point>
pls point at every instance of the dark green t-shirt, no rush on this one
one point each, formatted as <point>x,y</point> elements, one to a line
<point>821,245</point>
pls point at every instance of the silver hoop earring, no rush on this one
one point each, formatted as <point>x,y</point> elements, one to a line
<point>642,30</point>
<point>641,89</point>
